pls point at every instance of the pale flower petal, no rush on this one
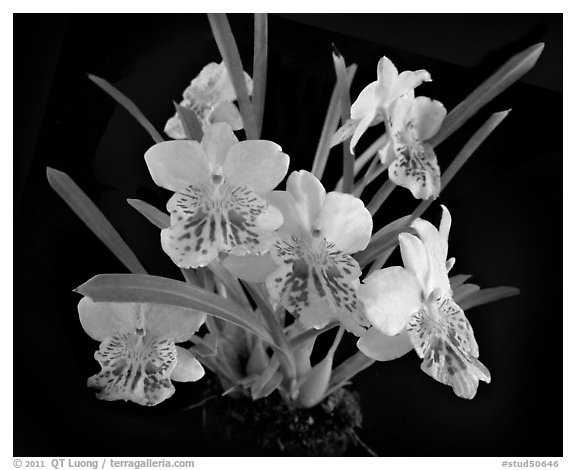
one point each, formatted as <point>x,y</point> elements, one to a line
<point>258,164</point>
<point>365,103</point>
<point>102,319</point>
<point>345,221</point>
<point>345,131</point>
<point>177,164</point>
<point>217,141</point>
<point>406,82</point>
<point>134,369</point>
<point>187,369</point>
<point>174,128</point>
<point>227,112</point>
<point>390,296</point>
<point>294,217</point>
<point>381,347</point>
<point>415,258</point>
<point>178,324</point>
<point>416,168</point>
<point>387,76</point>
<point>309,195</point>
<point>428,116</point>
<point>361,128</point>
<point>251,268</point>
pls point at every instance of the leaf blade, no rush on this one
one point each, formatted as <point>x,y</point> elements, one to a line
<point>96,221</point>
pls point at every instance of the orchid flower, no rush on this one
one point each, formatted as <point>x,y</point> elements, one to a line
<point>374,101</point>
<point>412,161</point>
<point>314,276</point>
<point>218,204</point>
<point>412,307</point>
<point>137,351</point>
<point>211,96</point>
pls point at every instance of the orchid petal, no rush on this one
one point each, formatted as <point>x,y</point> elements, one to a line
<point>415,257</point>
<point>295,217</point>
<point>406,82</point>
<point>366,103</point>
<point>436,244</point>
<point>134,369</point>
<point>187,369</point>
<point>416,168</point>
<point>315,282</point>
<point>390,296</point>
<point>363,125</point>
<point>308,193</point>
<point>251,268</point>
<point>177,164</point>
<point>428,116</point>
<point>387,76</point>
<point>447,347</point>
<point>345,221</point>
<point>381,347</point>
<point>174,128</point>
<point>345,131</point>
<point>217,141</point>
<point>102,319</point>
<point>258,164</point>
<point>178,324</point>
<point>227,112</point>
<point>244,224</point>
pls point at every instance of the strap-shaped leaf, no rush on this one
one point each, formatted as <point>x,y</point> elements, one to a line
<point>345,105</point>
<point>458,280</point>
<point>190,123</point>
<point>154,215</point>
<point>96,221</point>
<point>348,369</point>
<point>128,105</point>
<point>260,68</point>
<point>485,296</point>
<point>229,52</point>
<point>511,71</point>
<point>163,291</point>
<point>329,127</point>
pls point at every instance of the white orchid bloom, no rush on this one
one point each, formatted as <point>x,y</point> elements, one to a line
<point>137,353</point>
<point>211,96</point>
<point>413,308</point>
<point>411,159</point>
<point>219,185</point>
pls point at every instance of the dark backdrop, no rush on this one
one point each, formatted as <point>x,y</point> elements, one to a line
<point>506,205</point>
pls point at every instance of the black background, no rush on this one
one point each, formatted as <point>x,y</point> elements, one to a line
<point>506,206</point>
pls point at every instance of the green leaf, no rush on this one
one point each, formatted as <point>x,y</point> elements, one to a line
<point>458,280</point>
<point>259,70</point>
<point>190,123</point>
<point>383,240</point>
<point>313,388</point>
<point>159,290</point>
<point>485,296</point>
<point>156,216</point>
<point>345,105</point>
<point>463,291</point>
<point>229,52</point>
<point>348,369</point>
<point>505,76</point>
<point>380,196</point>
<point>330,124</point>
<point>84,208</point>
<point>128,105</point>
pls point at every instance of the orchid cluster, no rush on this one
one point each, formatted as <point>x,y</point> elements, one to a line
<point>268,270</point>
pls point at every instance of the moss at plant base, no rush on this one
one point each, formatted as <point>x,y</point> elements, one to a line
<point>273,427</point>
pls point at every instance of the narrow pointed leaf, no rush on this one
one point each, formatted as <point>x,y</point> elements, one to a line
<point>458,280</point>
<point>128,105</point>
<point>485,296</point>
<point>330,124</point>
<point>463,291</point>
<point>380,196</point>
<point>190,123</point>
<point>260,68</point>
<point>348,369</point>
<point>505,76</point>
<point>229,52</point>
<point>154,215</point>
<point>96,221</point>
<point>313,389</point>
<point>345,104</point>
<point>154,289</point>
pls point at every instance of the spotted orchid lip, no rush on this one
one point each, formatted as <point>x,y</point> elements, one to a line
<point>315,282</point>
<point>214,218</point>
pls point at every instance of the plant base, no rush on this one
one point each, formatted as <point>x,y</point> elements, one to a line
<point>274,427</point>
